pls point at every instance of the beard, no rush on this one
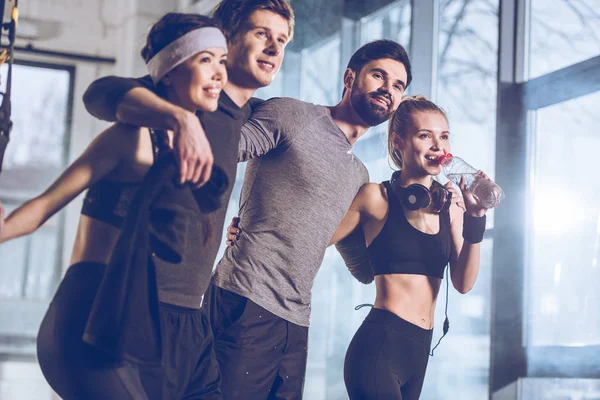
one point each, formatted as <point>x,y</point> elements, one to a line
<point>372,114</point>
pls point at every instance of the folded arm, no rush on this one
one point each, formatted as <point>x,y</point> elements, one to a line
<point>104,96</point>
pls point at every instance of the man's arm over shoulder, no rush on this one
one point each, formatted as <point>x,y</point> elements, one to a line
<point>103,96</point>
<point>273,122</point>
<point>135,102</point>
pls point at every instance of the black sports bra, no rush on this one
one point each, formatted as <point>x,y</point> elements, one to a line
<point>401,248</point>
<point>108,201</point>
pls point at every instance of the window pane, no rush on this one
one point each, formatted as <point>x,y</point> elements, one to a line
<point>35,156</point>
<point>563,33</point>
<point>29,263</point>
<point>467,80</point>
<point>563,301</point>
<point>459,368</point>
<point>467,91</point>
<point>391,22</point>
<point>320,73</point>
<point>36,152</point>
<point>560,389</point>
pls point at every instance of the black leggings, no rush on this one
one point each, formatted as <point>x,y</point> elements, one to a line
<point>77,370</point>
<point>387,358</point>
<point>73,368</point>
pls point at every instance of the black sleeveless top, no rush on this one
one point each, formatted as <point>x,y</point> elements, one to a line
<point>108,201</point>
<point>156,259</point>
<point>401,248</point>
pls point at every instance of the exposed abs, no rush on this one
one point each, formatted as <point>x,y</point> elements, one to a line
<point>411,297</point>
<point>95,241</point>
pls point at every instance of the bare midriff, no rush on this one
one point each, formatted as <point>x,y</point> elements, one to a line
<point>411,297</point>
<point>94,242</point>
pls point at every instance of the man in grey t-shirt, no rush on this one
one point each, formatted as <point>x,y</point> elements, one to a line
<point>300,180</point>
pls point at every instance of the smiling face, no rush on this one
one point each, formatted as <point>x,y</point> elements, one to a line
<point>197,82</point>
<point>377,90</point>
<point>427,137</point>
<point>256,52</point>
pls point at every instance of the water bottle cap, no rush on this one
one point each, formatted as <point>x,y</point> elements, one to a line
<point>445,158</point>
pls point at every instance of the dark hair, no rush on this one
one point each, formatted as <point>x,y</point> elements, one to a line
<point>377,50</point>
<point>402,119</point>
<point>233,14</point>
<point>170,28</point>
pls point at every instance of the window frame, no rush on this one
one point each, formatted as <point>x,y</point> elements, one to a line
<point>66,144</point>
<point>518,100</point>
<point>19,342</point>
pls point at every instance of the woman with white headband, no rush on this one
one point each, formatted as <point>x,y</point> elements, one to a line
<point>87,348</point>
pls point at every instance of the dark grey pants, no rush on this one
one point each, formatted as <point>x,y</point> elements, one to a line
<point>261,356</point>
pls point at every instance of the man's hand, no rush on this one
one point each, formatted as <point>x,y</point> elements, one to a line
<point>233,232</point>
<point>193,150</point>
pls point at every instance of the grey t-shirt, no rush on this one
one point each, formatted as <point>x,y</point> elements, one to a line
<point>300,180</point>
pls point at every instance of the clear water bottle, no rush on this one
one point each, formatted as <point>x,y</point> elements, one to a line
<point>487,193</point>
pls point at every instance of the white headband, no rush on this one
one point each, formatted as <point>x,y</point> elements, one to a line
<point>182,49</point>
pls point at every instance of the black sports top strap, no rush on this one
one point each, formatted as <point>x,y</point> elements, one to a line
<point>160,143</point>
<point>108,201</point>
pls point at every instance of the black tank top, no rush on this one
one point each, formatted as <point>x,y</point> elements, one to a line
<point>108,201</point>
<point>401,248</point>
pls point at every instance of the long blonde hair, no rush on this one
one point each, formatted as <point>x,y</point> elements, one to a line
<point>402,119</point>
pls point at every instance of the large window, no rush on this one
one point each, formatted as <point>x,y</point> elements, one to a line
<point>36,154</point>
<point>563,305</point>
<point>561,309</point>
<point>545,322</point>
<point>542,278</point>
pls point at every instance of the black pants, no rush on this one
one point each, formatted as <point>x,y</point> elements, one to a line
<point>190,369</point>
<point>387,358</point>
<point>77,370</point>
<point>261,356</point>
<point>73,368</point>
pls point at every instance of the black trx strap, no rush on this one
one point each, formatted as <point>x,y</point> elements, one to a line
<point>6,55</point>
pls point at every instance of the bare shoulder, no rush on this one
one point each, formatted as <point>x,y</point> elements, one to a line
<point>373,198</point>
<point>123,139</point>
<point>373,190</point>
<point>124,132</point>
<point>119,133</point>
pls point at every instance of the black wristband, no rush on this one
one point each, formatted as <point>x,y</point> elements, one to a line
<point>473,228</point>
